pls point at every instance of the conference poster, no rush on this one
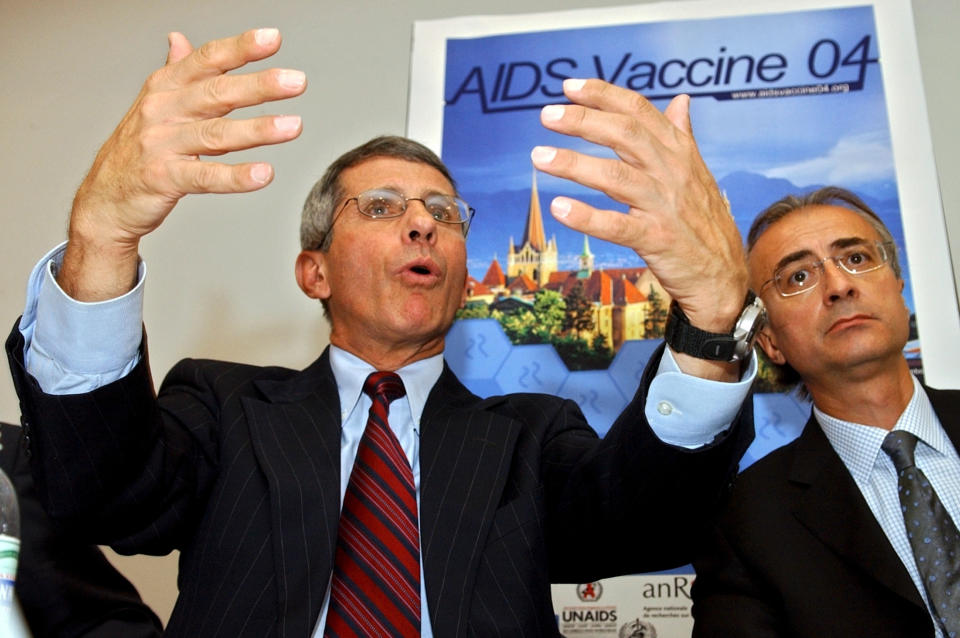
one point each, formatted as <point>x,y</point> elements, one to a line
<point>782,101</point>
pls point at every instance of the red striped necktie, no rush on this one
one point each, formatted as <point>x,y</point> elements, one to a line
<point>375,590</point>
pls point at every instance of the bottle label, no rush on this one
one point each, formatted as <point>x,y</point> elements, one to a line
<point>9,552</point>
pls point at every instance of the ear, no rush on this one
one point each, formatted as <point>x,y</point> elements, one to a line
<point>311,274</point>
<point>906,308</point>
<point>768,342</point>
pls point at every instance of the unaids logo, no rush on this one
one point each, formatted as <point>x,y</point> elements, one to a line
<point>589,592</point>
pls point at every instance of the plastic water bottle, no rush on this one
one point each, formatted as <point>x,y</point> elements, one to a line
<point>9,550</point>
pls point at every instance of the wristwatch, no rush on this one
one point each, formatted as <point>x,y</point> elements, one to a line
<point>716,346</point>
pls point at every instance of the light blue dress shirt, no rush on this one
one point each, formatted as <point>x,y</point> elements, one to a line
<point>872,470</point>
<point>73,347</point>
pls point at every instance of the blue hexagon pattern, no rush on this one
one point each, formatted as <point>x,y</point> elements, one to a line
<point>627,367</point>
<point>777,419</point>
<point>599,399</point>
<point>532,368</point>
<point>483,358</point>
<point>476,348</point>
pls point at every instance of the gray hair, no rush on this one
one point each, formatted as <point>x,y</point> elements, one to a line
<point>318,210</point>
<point>786,375</point>
<point>826,196</point>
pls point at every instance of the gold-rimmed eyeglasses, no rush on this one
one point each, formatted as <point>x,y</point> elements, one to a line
<point>384,203</point>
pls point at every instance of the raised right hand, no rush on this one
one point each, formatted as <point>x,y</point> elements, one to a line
<point>677,220</point>
<point>153,158</point>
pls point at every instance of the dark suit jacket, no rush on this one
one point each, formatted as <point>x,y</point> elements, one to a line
<point>799,553</point>
<point>66,588</point>
<point>238,467</point>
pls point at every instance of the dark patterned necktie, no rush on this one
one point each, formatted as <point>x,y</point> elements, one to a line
<point>932,534</point>
<point>375,590</point>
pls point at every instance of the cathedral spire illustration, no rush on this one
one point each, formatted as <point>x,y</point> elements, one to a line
<point>536,258</point>
<point>533,233</point>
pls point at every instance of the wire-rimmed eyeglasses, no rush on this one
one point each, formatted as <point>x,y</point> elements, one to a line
<point>383,203</point>
<point>803,274</point>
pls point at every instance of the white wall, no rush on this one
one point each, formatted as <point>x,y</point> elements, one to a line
<point>221,268</point>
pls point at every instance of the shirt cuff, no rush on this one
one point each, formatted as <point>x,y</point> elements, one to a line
<point>73,346</point>
<point>688,411</point>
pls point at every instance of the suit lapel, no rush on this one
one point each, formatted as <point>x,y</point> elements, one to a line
<point>833,509</point>
<point>946,403</point>
<point>464,459</point>
<point>295,434</point>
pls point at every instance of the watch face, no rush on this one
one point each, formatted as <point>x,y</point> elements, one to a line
<point>748,326</point>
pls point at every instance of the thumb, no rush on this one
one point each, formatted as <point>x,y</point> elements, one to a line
<point>179,47</point>
<point>678,112</point>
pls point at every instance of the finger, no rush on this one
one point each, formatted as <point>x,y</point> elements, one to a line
<point>178,47</point>
<point>608,104</point>
<point>607,225</point>
<point>617,179</point>
<point>220,135</point>
<point>219,56</point>
<point>221,94</point>
<point>195,176</point>
<point>624,135</point>
<point>603,96</point>
<point>678,113</point>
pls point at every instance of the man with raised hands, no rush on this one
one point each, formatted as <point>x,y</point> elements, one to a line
<point>371,493</point>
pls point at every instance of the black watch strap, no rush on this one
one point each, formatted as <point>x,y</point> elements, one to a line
<point>684,337</point>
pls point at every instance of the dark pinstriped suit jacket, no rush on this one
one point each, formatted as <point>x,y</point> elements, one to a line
<point>238,467</point>
<point>799,553</point>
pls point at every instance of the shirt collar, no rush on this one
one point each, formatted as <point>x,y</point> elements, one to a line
<point>351,371</point>
<point>858,445</point>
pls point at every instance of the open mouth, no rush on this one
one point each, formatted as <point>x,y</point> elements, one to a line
<point>422,266</point>
<point>420,272</point>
